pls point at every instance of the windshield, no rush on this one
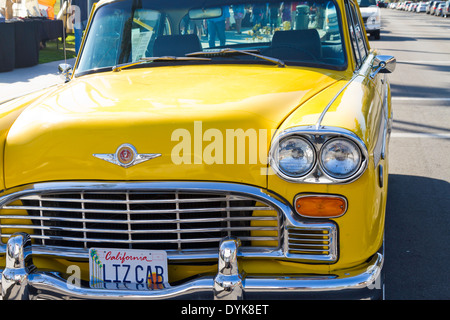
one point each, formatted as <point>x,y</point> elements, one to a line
<point>366,3</point>
<point>297,33</point>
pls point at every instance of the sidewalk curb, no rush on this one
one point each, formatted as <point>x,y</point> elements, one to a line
<point>21,81</point>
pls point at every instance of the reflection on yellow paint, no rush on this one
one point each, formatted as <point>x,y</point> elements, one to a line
<point>264,223</point>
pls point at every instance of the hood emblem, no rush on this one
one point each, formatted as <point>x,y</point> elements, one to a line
<point>126,156</point>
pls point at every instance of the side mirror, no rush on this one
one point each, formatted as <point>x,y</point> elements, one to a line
<point>65,70</point>
<point>383,64</point>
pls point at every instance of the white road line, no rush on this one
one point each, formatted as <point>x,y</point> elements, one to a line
<point>419,99</point>
<point>424,62</point>
<point>420,135</point>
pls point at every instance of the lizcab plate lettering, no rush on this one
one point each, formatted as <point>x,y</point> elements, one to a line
<point>127,269</point>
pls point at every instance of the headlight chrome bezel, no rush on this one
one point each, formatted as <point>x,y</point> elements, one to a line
<point>308,144</point>
<point>333,174</point>
<point>318,138</point>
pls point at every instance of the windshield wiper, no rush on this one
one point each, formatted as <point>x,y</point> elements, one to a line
<point>226,51</point>
<point>155,59</point>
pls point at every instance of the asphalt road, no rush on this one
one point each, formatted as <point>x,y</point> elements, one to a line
<point>418,210</point>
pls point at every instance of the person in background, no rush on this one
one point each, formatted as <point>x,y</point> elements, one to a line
<point>285,12</point>
<point>216,26</point>
<point>239,13</point>
<point>2,10</point>
<point>274,10</point>
<point>7,11</point>
<point>258,12</point>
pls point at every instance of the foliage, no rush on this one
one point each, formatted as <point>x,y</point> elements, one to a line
<point>54,50</point>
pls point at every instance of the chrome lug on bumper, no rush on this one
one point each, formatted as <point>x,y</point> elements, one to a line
<point>228,283</point>
<point>19,265</point>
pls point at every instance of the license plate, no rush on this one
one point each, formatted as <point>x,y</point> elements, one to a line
<point>127,269</point>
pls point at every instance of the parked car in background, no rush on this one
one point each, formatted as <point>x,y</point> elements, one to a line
<point>371,15</point>
<point>174,164</point>
<point>429,5</point>
<point>439,9</point>
<point>434,7</point>
<point>421,7</point>
<point>446,11</point>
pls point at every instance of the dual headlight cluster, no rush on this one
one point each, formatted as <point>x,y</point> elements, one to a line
<point>294,157</point>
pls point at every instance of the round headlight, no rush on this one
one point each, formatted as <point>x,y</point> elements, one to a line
<point>295,156</point>
<point>340,158</point>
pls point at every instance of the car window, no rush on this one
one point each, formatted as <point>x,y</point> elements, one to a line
<point>302,33</point>
<point>358,40</point>
<point>362,44</point>
<point>366,3</point>
<point>353,41</point>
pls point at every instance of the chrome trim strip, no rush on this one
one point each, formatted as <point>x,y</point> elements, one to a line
<point>379,145</point>
<point>387,129</point>
<point>287,217</point>
<point>379,152</point>
<point>235,190</point>
<point>322,115</point>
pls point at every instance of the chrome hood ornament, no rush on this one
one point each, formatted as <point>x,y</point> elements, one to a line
<point>126,156</point>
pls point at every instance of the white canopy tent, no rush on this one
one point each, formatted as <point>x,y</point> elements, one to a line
<point>22,9</point>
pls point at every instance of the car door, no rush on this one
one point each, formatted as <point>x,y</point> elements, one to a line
<point>375,87</point>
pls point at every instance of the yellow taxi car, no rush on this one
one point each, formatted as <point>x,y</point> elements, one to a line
<point>220,149</point>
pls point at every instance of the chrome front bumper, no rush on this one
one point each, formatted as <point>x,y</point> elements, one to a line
<point>21,280</point>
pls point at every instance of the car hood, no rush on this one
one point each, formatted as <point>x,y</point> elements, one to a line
<point>368,11</point>
<point>193,116</point>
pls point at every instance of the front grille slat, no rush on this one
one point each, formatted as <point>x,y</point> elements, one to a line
<point>55,228</point>
<point>158,241</point>
<point>156,201</point>
<point>156,221</point>
<point>81,210</point>
<point>172,221</point>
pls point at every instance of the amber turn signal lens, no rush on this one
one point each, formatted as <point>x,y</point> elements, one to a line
<point>316,206</point>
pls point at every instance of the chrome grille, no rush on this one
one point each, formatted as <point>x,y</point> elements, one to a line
<point>141,219</point>
<point>319,241</point>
